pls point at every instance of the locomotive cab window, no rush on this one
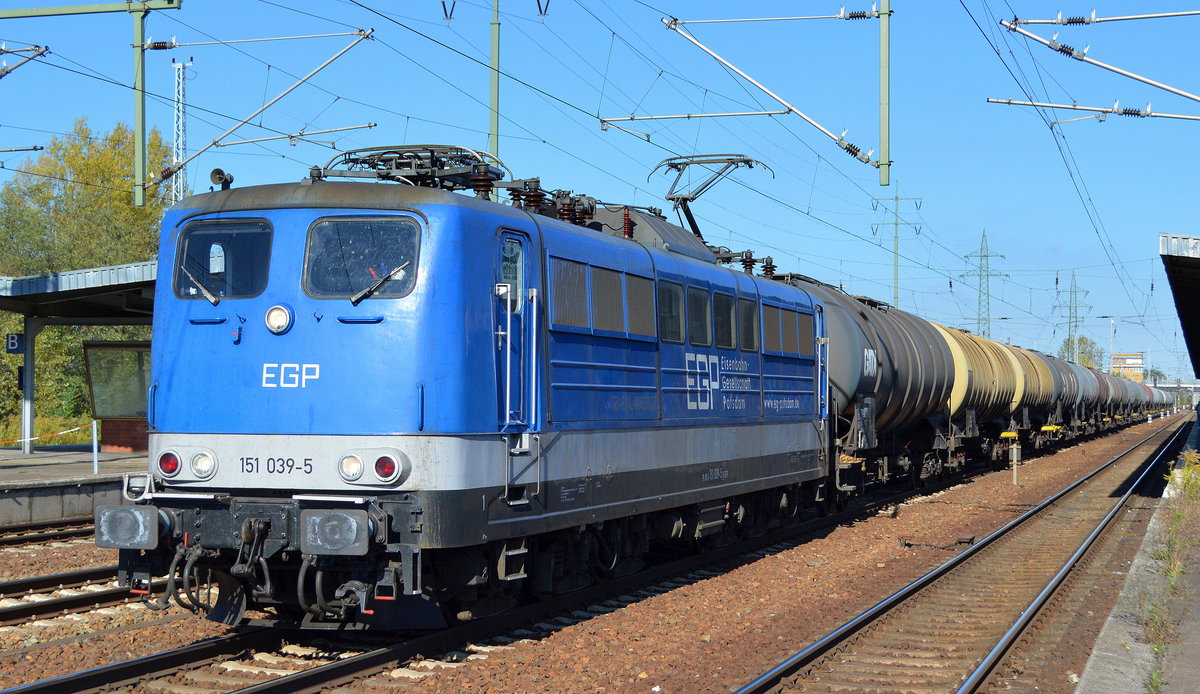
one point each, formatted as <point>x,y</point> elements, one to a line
<point>512,272</point>
<point>349,256</point>
<point>698,316</point>
<point>226,260</point>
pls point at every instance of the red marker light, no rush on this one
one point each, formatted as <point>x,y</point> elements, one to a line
<point>385,467</point>
<point>168,464</point>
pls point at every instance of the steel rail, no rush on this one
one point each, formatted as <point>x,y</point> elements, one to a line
<point>69,579</point>
<point>41,531</point>
<point>316,678</point>
<point>324,676</point>
<point>37,525</point>
<point>989,662</point>
<point>341,672</point>
<point>67,604</point>
<point>133,671</point>
<point>766,682</point>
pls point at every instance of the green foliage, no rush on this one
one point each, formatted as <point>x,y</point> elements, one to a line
<point>1155,681</point>
<point>1081,350</point>
<point>1153,376</point>
<point>73,210</point>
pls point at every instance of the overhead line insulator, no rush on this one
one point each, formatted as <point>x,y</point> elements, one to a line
<point>1068,50</point>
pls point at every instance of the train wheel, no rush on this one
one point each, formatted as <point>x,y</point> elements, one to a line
<point>931,468</point>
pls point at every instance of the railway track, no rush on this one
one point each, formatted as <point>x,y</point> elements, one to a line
<point>46,531</point>
<point>312,662</point>
<point>948,630</point>
<point>317,662</point>
<point>53,595</point>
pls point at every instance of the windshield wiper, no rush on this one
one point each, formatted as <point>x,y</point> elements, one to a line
<point>212,298</point>
<point>366,293</point>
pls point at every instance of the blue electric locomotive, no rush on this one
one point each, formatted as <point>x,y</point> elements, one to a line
<point>381,404</point>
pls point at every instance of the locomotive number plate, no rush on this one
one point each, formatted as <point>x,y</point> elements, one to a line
<point>254,465</point>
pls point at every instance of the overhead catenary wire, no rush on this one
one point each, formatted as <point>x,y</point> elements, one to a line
<point>1072,169</point>
<point>831,184</point>
<point>582,111</point>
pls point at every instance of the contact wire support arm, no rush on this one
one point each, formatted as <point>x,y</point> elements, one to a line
<point>171,170</point>
<point>841,141</point>
<point>1093,19</point>
<point>38,51</point>
<point>1081,55</point>
<point>1116,109</point>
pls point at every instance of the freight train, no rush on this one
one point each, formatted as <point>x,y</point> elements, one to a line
<point>378,400</point>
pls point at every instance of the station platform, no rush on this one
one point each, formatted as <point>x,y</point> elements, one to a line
<point>1122,661</point>
<point>58,482</point>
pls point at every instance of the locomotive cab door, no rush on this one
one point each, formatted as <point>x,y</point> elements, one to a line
<point>517,305</point>
<point>517,316</point>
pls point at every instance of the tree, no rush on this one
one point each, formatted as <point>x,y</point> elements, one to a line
<point>1153,376</point>
<point>1083,351</point>
<point>67,209</point>
<point>70,208</point>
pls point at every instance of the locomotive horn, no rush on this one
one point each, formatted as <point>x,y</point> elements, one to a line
<point>219,177</point>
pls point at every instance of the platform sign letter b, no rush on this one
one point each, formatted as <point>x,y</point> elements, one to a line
<point>14,343</point>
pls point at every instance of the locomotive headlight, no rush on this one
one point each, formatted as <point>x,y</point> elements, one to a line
<point>203,465</point>
<point>127,527</point>
<point>350,467</point>
<point>334,532</point>
<point>278,319</point>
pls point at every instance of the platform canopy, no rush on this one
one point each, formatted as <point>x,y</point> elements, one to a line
<point>1181,256</point>
<point>114,295</point>
<point>118,291</point>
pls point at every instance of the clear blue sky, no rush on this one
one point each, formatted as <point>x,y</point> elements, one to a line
<point>1088,197</point>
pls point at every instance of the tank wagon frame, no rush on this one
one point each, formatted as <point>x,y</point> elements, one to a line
<point>379,405</point>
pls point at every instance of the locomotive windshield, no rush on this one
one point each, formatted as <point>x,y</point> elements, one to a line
<point>223,260</point>
<point>348,256</point>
